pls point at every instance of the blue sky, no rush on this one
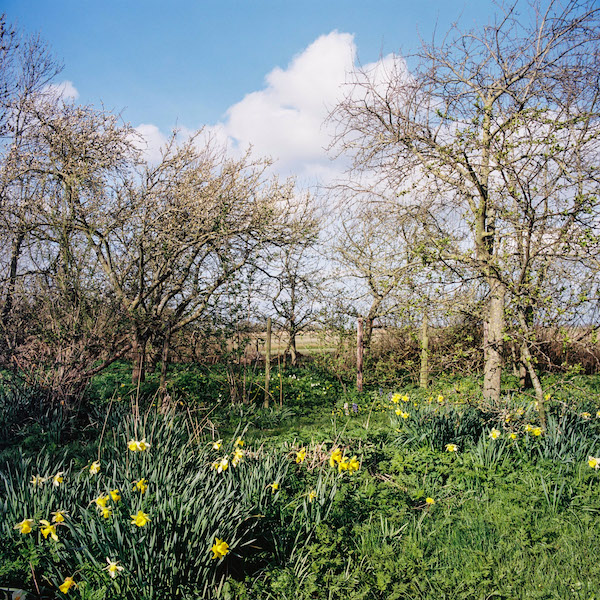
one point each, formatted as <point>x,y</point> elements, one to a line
<point>228,63</point>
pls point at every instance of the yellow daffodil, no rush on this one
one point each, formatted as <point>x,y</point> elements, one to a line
<point>141,485</point>
<point>353,465</point>
<point>113,567</point>
<point>133,445</point>
<point>57,479</point>
<point>19,595</point>
<point>520,411</point>
<point>592,461</point>
<point>513,435</point>
<point>237,457</point>
<point>274,486</point>
<point>66,585</point>
<point>585,415</point>
<point>95,467</point>
<point>221,465</point>
<point>101,501</point>
<point>300,455</point>
<point>217,445</point>
<point>343,464</point>
<point>396,398</point>
<point>451,448</point>
<point>405,398</point>
<point>59,516</point>
<point>598,414</point>
<point>48,530</point>
<point>398,411</point>
<point>37,481</point>
<point>537,431</point>
<point>144,445</point>
<point>429,501</point>
<point>114,495</point>
<point>494,433</point>
<point>220,548</point>
<point>106,512</point>
<point>312,495</point>
<point>440,399</point>
<point>403,414</point>
<point>239,442</point>
<point>528,428</point>
<point>140,519</point>
<point>24,526</point>
<point>335,458</point>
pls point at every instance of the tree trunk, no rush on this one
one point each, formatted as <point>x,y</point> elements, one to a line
<point>138,373</point>
<point>164,366</point>
<point>493,342</point>
<point>424,371</point>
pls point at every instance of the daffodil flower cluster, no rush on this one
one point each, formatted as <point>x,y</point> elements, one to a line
<point>138,446</point>
<point>342,462</point>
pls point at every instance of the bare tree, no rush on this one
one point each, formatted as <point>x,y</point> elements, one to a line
<point>495,132</point>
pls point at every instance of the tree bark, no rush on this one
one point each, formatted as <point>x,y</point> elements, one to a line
<point>359,355</point>
<point>267,363</point>
<point>424,371</point>
<point>493,342</point>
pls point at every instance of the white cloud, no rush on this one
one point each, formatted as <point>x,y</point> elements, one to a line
<point>150,142</point>
<point>286,119</point>
<point>65,90</point>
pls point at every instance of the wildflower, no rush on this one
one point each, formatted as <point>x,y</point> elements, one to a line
<point>239,442</point>
<point>537,431</point>
<point>336,457</point>
<point>300,455</point>
<point>57,479</point>
<point>19,595</point>
<point>237,456</point>
<point>429,501</point>
<point>24,526</point>
<point>138,446</point>
<point>593,462</point>
<point>101,501</point>
<point>59,516</point>
<point>274,486</point>
<point>141,485</point>
<point>106,512</point>
<point>312,495</point>
<point>114,495</point>
<point>95,467</point>
<point>48,530</point>
<point>66,585</point>
<point>217,445</point>
<point>37,481</point>
<point>451,448</point>
<point>221,465</point>
<point>140,519</point>
<point>353,465</point>
<point>220,548</point>
<point>494,433</point>
<point>133,445</point>
<point>113,568</point>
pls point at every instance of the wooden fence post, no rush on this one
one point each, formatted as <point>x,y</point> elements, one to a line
<point>267,363</point>
<point>359,355</point>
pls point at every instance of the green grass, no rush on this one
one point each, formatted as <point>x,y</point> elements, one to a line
<point>513,517</point>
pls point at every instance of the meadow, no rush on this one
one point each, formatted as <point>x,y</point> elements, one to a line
<point>392,493</point>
